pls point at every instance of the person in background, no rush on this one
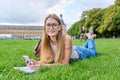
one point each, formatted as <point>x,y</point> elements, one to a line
<point>57,48</point>
<point>91,32</point>
<point>82,30</point>
<point>82,33</point>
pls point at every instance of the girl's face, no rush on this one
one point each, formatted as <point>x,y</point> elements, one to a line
<point>52,27</point>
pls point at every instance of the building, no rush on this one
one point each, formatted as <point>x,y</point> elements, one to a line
<point>22,31</point>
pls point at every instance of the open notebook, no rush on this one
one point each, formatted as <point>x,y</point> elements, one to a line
<point>25,68</point>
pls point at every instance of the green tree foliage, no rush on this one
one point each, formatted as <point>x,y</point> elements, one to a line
<point>75,29</point>
<point>93,18</point>
<point>108,20</point>
<point>104,21</point>
<point>111,20</point>
<point>84,14</point>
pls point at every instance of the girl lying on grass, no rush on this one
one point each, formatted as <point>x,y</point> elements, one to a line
<point>57,48</point>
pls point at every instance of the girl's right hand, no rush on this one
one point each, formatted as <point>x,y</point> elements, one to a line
<point>32,64</point>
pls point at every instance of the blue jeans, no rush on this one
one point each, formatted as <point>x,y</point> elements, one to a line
<point>87,50</point>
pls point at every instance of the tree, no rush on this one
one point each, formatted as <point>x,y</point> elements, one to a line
<point>104,21</point>
<point>94,18</point>
<point>74,30</point>
<point>111,20</point>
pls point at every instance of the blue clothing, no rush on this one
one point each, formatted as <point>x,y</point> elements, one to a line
<point>85,51</point>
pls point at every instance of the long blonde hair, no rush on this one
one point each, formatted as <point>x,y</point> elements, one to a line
<point>47,54</point>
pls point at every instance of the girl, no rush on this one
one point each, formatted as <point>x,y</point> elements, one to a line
<point>57,46</point>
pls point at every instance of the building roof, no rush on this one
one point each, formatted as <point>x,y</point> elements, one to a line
<point>21,27</point>
<point>62,21</point>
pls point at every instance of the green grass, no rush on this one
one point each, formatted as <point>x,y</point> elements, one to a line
<point>104,67</point>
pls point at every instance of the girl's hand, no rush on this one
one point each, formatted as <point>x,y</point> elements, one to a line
<point>32,64</point>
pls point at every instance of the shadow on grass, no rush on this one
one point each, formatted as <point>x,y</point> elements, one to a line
<point>101,54</point>
<point>72,62</point>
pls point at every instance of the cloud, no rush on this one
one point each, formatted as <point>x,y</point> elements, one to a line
<point>23,11</point>
<point>34,11</point>
<point>59,7</point>
<point>74,11</point>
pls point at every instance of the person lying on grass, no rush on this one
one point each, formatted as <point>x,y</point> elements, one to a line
<point>57,48</point>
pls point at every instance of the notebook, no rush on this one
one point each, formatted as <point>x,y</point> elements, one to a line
<point>25,69</point>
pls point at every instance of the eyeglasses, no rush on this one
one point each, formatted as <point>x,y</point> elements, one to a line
<point>53,25</point>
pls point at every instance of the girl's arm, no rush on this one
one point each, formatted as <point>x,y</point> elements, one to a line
<point>37,64</point>
<point>68,49</point>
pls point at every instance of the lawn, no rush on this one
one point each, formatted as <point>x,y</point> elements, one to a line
<point>104,67</point>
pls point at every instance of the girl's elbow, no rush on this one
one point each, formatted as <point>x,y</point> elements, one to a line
<point>66,62</point>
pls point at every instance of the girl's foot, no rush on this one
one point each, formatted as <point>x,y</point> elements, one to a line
<point>88,35</point>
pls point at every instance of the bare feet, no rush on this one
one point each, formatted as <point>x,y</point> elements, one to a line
<point>94,36</point>
<point>90,36</point>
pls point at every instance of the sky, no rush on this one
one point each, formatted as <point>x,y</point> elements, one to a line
<point>34,11</point>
